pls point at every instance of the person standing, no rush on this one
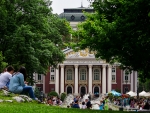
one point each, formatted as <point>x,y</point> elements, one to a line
<point>17,83</point>
<point>5,77</point>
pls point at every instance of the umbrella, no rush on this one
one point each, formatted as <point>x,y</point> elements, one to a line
<point>115,93</point>
<point>131,93</point>
<point>147,94</point>
<point>143,93</point>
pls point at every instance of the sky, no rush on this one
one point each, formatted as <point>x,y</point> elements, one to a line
<point>59,5</point>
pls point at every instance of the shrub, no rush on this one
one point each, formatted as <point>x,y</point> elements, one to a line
<point>53,93</point>
<point>37,92</point>
<point>63,96</point>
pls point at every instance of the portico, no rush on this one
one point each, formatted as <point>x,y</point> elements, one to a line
<point>81,73</point>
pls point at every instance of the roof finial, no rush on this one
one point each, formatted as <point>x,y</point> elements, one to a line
<point>81,3</point>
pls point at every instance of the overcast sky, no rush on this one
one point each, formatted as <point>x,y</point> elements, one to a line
<point>59,5</point>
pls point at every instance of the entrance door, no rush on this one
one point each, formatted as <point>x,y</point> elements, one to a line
<point>69,90</point>
<point>96,91</point>
<point>83,90</point>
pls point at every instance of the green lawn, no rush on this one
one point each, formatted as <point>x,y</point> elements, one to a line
<point>34,107</point>
<point>42,108</point>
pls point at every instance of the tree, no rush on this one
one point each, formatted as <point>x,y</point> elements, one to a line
<point>119,31</point>
<point>31,35</point>
<point>53,93</point>
<point>2,63</point>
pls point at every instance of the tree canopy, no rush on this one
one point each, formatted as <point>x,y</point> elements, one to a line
<point>119,31</point>
<point>31,35</point>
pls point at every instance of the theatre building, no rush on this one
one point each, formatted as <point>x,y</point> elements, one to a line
<point>81,72</point>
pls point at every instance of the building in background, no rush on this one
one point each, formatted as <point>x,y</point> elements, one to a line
<point>81,73</point>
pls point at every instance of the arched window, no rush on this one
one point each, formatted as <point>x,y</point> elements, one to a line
<point>69,74</point>
<point>96,74</point>
<point>82,74</point>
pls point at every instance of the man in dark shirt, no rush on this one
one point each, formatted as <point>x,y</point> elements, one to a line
<point>76,105</point>
<point>88,104</point>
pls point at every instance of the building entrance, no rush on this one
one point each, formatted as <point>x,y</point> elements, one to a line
<point>96,91</point>
<point>83,90</point>
<point>69,90</point>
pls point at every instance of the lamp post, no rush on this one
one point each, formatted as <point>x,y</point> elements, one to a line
<point>137,88</point>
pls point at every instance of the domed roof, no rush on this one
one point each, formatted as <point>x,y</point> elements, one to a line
<point>75,14</point>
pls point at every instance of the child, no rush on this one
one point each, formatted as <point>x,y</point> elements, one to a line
<point>83,105</point>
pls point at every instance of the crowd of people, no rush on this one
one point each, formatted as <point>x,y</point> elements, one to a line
<point>86,104</point>
<point>54,101</point>
<point>133,103</point>
<point>15,82</point>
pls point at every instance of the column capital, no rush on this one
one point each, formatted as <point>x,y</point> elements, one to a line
<point>62,65</point>
<point>104,66</point>
<point>76,65</point>
<point>90,65</point>
<point>110,66</point>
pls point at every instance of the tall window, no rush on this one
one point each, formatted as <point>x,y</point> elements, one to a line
<point>52,77</point>
<point>126,78</point>
<point>82,74</point>
<point>113,78</point>
<point>69,74</point>
<point>96,74</point>
<point>39,77</point>
<point>52,69</point>
<point>113,70</point>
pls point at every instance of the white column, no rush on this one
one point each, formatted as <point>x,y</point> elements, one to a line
<point>34,78</point>
<point>90,79</point>
<point>109,78</point>
<point>43,76</point>
<point>62,79</point>
<point>57,80</point>
<point>131,81</point>
<point>136,80</point>
<point>104,79</point>
<point>76,79</point>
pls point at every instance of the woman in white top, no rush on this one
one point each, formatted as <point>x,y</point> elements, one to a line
<point>6,76</point>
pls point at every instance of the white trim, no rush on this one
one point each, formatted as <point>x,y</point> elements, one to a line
<point>129,78</point>
<point>99,73</point>
<point>80,68</point>
<point>113,73</point>
<point>67,68</point>
<point>57,80</point>
<point>62,79</point>
<point>85,89</point>
<point>69,86</point>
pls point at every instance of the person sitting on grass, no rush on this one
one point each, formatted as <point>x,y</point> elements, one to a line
<point>17,84</point>
<point>5,77</point>
<point>101,105</point>
<point>83,105</point>
<point>76,104</point>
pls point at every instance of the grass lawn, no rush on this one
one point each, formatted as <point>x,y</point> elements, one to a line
<point>7,107</point>
<point>34,107</point>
